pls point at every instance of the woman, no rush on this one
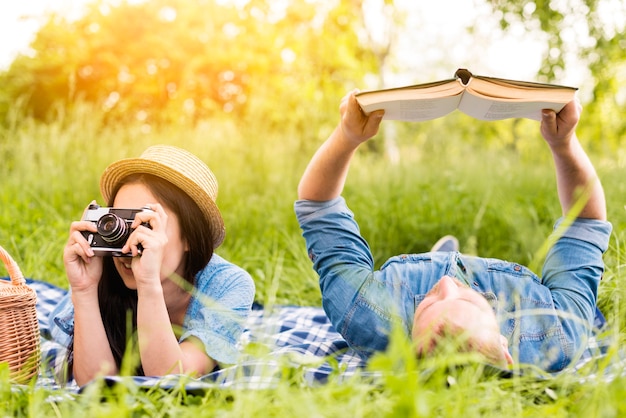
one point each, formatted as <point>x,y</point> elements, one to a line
<point>168,297</point>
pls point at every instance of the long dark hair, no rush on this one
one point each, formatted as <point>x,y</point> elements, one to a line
<point>118,304</point>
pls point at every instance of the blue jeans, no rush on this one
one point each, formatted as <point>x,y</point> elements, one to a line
<point>546,319</point>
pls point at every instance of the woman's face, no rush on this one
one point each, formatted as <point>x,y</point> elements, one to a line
<point>137,195</point>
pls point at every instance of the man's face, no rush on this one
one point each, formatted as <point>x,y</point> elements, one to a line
<point>452,308</point>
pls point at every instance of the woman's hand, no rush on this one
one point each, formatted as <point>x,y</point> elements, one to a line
<point>82,267</point>
<point>147,245</point>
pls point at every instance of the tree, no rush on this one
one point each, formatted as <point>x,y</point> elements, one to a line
<point>164,60</point>
<point>590,31</point>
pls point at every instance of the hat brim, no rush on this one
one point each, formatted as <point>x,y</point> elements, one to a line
<point>118,170</point>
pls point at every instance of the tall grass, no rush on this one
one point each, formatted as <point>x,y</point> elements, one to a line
<point>498,202</point>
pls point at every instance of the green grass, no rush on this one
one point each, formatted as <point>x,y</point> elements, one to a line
<point>498,202</point>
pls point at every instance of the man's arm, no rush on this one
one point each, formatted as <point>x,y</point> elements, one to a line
<point>325,176</point>
<point>575,174</point>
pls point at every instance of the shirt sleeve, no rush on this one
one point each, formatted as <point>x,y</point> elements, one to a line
<point>61,321</point>
<point>343,261</point>
<point>332,236</point>
<point>219,309</point>
<point>573,269</point>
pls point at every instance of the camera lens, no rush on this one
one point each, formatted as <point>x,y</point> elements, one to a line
<point>113,229</point>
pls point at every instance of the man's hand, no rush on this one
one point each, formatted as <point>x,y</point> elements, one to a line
<point>559,128</point>
<point>575,173</point>
<point>357,126</point>
<point>326,173</point>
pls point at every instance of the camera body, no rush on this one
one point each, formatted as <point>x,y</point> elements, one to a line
<point>113,229</point>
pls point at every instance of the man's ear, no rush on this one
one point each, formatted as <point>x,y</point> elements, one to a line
<point>504,343</point>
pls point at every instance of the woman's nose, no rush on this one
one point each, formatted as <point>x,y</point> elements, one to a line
<point>448,287</point>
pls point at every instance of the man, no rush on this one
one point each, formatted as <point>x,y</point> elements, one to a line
<point>500,309</point>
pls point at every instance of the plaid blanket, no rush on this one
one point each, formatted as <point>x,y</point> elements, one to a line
<point>288,339</point>
<point>293,342</point>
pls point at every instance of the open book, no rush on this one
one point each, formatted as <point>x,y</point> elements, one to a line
<point>484,98</point>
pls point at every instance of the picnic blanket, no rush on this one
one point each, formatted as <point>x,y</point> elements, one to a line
<point>296,342</point>
<point>287,339</point>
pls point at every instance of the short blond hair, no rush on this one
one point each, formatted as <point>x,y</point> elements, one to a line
<point>486,343</point>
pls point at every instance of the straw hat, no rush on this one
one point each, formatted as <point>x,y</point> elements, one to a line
<point>180,168</point>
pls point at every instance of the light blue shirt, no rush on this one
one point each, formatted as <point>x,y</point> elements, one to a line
<point>547,320</point>
<point>216,314</point>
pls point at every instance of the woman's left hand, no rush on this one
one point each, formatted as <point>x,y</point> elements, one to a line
<point>147,245</point>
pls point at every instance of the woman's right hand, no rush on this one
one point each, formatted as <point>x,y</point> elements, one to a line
<point>82,267</point>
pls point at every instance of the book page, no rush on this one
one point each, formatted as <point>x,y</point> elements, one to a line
<point>484,98</point>
<point>523,84</point>
<point>483,108</point>
<point>415,110</point>
<point>414,103</point>
<point>520,90</point>
<point>417,91</point>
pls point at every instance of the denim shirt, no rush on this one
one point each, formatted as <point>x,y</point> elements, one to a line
<point>216,313</point>
<point>546,320</point>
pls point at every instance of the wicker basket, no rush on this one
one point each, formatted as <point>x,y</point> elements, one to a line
<point>19,329</point>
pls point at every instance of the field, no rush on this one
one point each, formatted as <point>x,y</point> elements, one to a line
<point>499,202</point>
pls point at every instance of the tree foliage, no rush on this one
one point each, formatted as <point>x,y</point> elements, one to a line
<point>161,60</point>
<point>592,31</point>
<point>279,64</point>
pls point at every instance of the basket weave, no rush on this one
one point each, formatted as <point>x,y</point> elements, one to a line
<point>19,329</point>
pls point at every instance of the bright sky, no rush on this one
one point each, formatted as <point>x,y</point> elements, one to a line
<point>19,20</point>
<point>437,42</point>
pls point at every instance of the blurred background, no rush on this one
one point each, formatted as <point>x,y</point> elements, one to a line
<point>288,62</point>
<point>253,86</point>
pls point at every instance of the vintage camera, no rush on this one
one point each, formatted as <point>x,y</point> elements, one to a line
<point>113,229</point>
